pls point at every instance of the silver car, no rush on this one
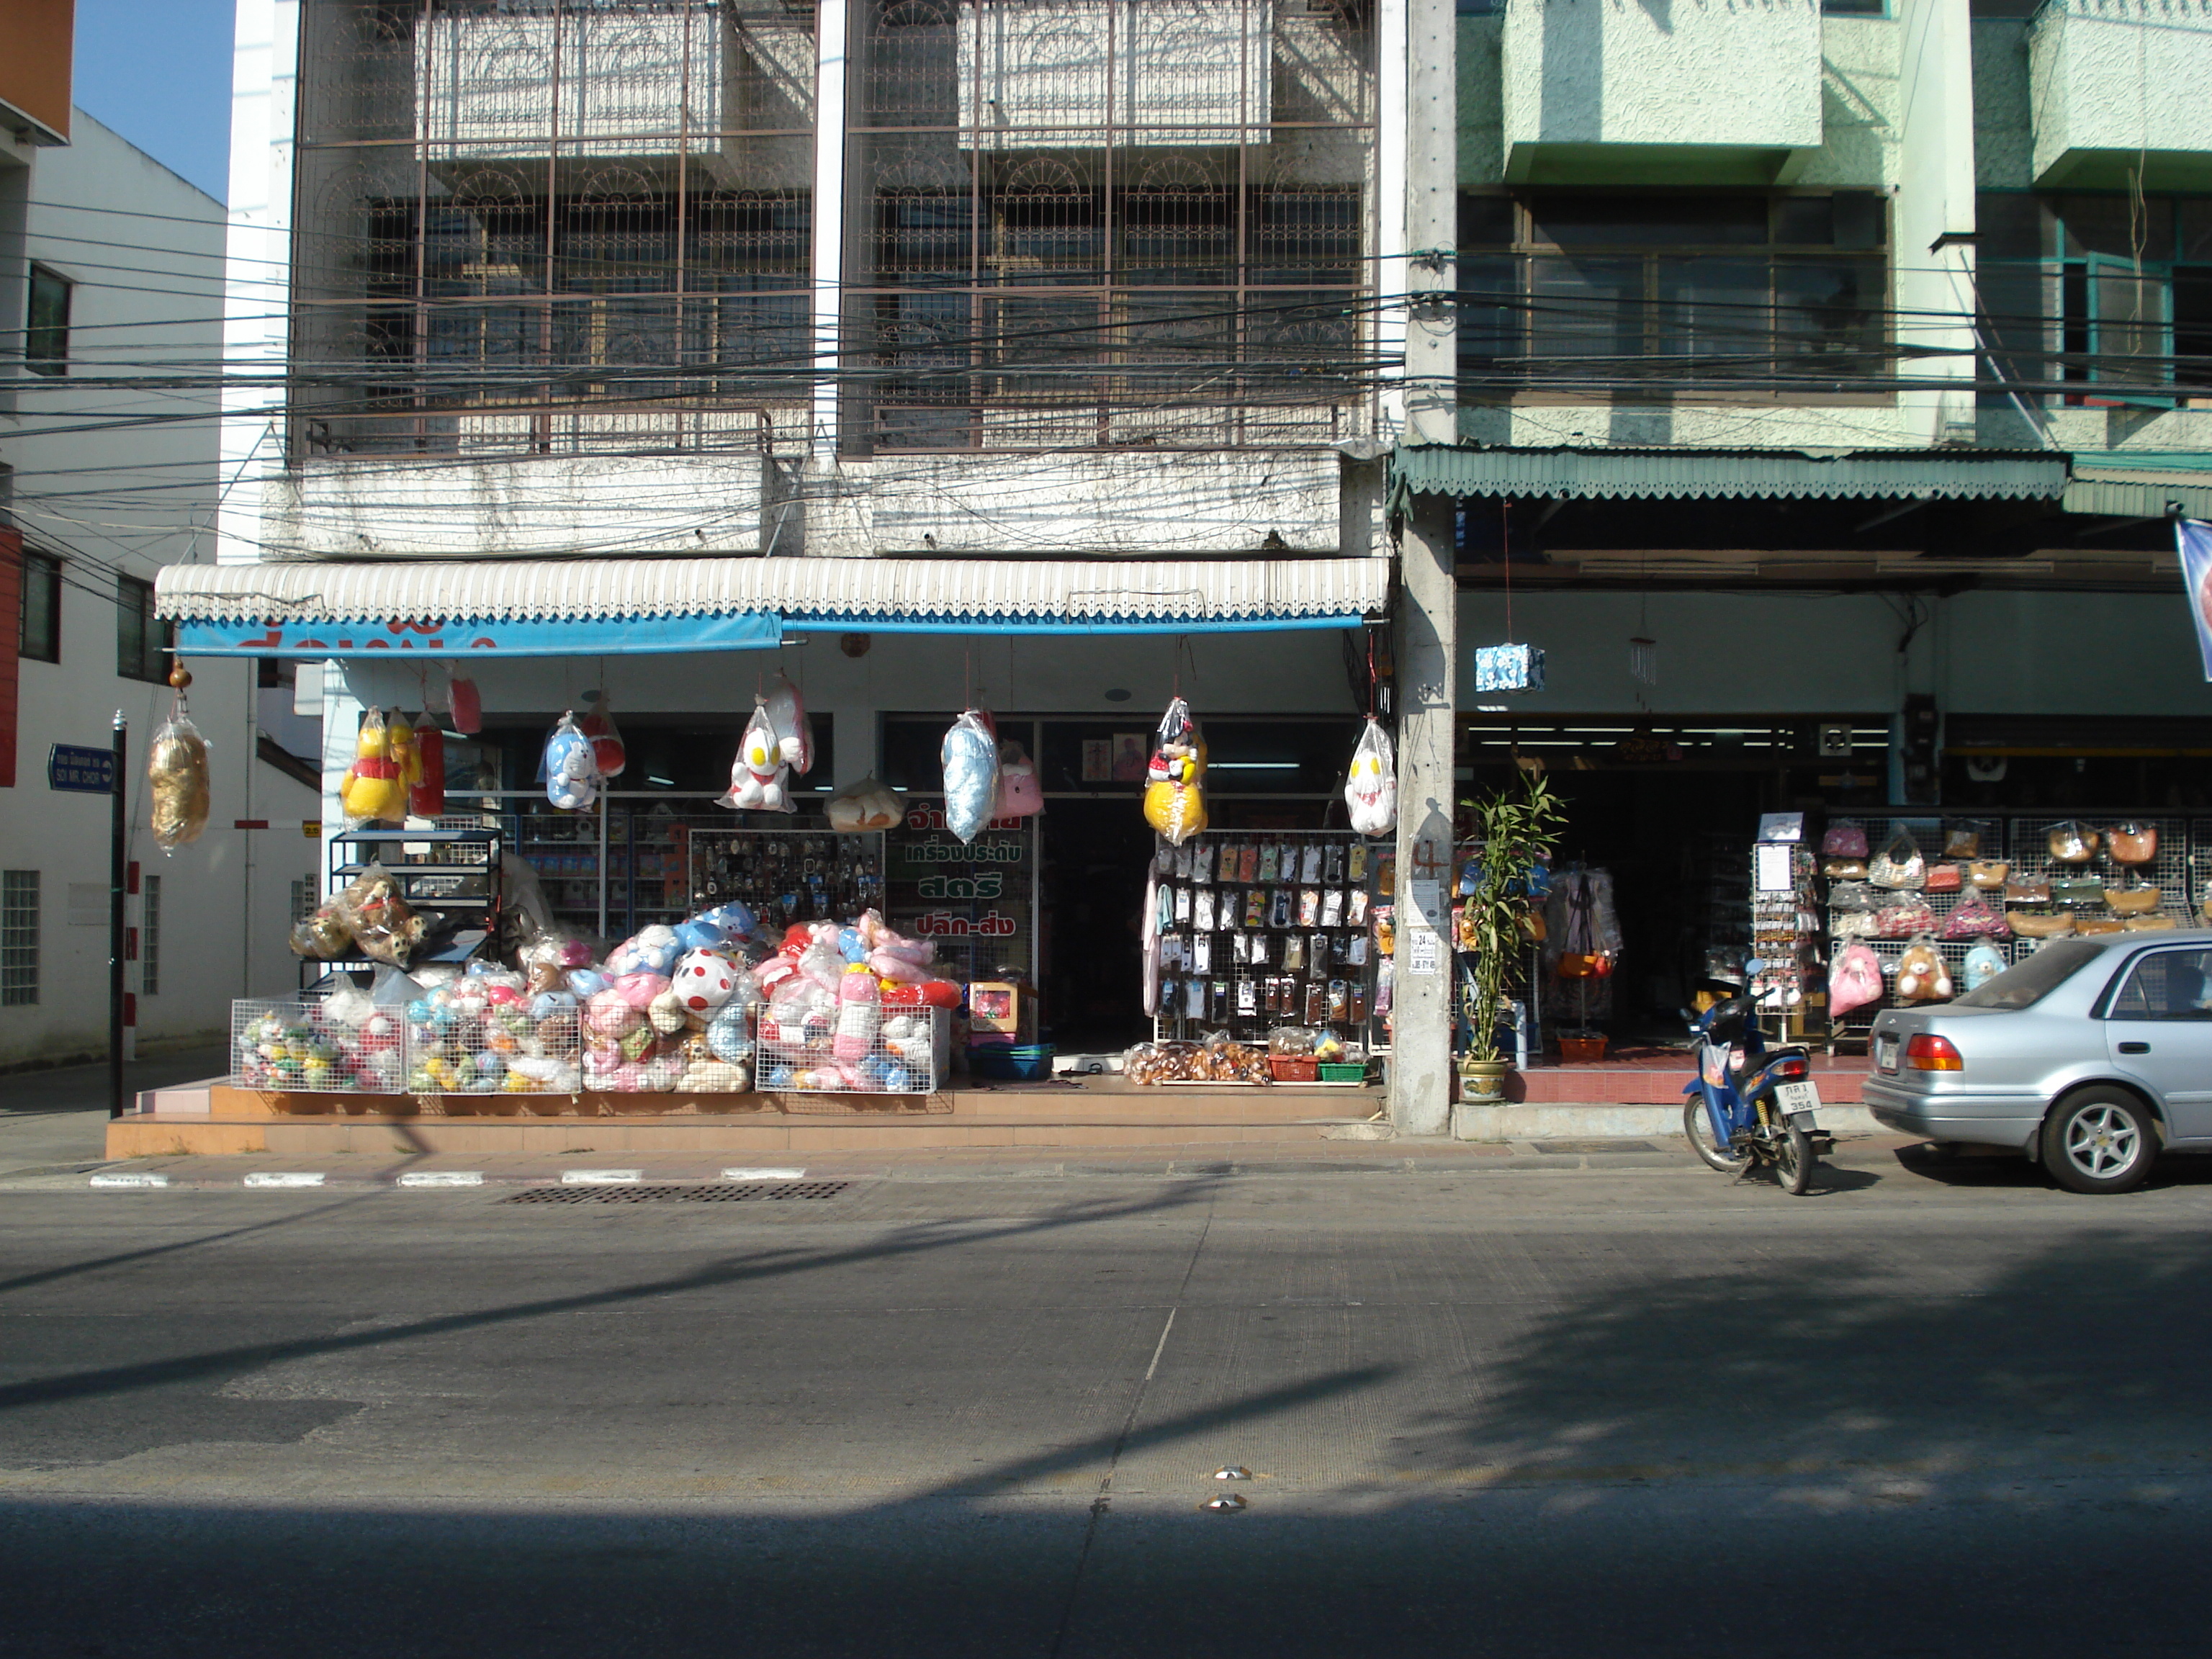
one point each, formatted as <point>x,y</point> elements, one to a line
<point>2090,1055</point>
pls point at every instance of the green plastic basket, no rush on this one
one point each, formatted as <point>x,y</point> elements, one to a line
<point>1342,1070</point>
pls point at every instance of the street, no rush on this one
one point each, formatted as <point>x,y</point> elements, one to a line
<point>1927,1409</point>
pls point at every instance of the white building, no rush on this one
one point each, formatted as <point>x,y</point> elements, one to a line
<point>111,292</point>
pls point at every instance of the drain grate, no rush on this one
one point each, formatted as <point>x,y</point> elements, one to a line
<point>717,1191</point>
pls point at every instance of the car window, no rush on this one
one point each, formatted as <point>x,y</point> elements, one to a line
<point>2026,983</point>
<point>2165,985</point>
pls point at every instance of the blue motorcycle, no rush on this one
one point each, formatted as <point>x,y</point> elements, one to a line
<point>1751,1105</point>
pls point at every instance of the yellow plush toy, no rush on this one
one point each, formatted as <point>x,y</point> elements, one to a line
<point>1175,797</point>
<point>374,791</point>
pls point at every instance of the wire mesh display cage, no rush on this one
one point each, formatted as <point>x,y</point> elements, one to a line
<point>478,1036</point>
<point>900,1051</point>
<point>337,1042</point>
<point>664,1049</point>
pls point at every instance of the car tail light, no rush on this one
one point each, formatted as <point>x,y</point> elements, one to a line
<point>1929,1053</point>
<point>1794,1067</point>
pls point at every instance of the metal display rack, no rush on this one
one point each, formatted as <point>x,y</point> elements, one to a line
<point>786,876</point>
<point>2182,870</point>
<point>455,873</point>
<point>1242,954</point>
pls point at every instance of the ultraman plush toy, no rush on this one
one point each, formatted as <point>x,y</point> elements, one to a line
<point>759,778</point>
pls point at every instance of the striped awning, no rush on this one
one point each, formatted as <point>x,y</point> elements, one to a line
<point>1714,475</point>
<point>623,605</point>
<point>2119,485</point>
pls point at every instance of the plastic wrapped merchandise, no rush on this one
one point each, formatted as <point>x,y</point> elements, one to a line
<point>176,779</point>
<point>463,703</point>
<point>1019,795</point>
<point>2130,842</point>
<point>787,718</point>
<point>426,790</point>
<point>1975,917</point>
<point>1371,787</point>
<point>322,935</point>
<point>382,923</point>
<point>1983,964</point>
<point>1843,840</point>
<point>1987,874</point>
<point>1945,879</point>
<point>1922,974</point>
<point>572,778</point>
<point>372,791</point>
<point>759,780</point>
<point>1854,981</point>
<point>1901,866</point>
<point>2072,843</point>
<point>608,754</point>
<point>1175,792</point>
<point>868,805</point>
<point>971,775</point>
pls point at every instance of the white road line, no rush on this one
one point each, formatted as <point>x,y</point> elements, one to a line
<point>762,1175</point>
<point>601,1177</point>
<point>285,1178</point>
<point>130,1178</point>
<point>443,1178</point>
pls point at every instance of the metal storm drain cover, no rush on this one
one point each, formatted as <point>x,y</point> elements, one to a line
<point>719,1192</point>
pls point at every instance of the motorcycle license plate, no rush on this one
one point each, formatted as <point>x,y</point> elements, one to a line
<point>1797,1099</point>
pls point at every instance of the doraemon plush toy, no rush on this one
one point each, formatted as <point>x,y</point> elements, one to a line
<point>572,775</point>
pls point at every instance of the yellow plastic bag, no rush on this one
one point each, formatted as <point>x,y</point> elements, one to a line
<point>1175,795</point>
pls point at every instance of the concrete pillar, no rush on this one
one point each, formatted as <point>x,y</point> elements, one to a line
<point>1427,601</point>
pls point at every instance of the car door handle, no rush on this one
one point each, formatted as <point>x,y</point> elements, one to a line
<point>2134,1048</point>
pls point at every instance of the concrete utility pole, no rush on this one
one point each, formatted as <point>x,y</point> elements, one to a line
<point>1427,607</point>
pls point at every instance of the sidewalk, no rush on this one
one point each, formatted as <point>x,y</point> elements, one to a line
<point>58,1119</point>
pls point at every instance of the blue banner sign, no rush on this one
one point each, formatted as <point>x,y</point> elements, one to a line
<point>461,636</point>
<point>81,771</point>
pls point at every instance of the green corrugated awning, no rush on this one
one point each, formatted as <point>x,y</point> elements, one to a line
<point>1710,475</point>
<point>2123,486</point>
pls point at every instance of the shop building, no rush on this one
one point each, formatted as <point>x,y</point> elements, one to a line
<point>111,280</point>
<point>1016,355</point>
<point>1824,395</point>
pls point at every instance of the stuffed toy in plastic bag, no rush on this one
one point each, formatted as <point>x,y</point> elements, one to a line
<point>1370,788</point>
<point>1019,794</point>
<point>426,790</point>
<point>1983,964</point>
<point>372,791</point>
<point>1922,974</point>
<point>971,775</point>
<point>607,751</point>
<point>759,780</point>
<point>463,703</point>
<point>1174,796</point>
<point>787,718</point>
<point>177,777</point>
<point>572,779</point>
<point>868,805</point>
<point>1854,980</point>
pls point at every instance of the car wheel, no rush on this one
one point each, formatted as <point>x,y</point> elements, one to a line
<point>2101,1141</point>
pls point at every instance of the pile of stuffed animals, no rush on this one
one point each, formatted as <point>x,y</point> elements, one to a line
<point>716,1004</point>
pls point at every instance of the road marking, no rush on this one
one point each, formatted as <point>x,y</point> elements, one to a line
<point>285,1178</point>
<point>1162,1347</point>
<point>601,1177</point>
<point>130,1178</point>
<point>443,1178</point>
<point>762,1175</point>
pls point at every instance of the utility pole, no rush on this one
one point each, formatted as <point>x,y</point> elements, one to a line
<point>119,870</point>
<point>1428,598</point>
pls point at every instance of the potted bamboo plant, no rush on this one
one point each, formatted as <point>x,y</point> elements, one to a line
<point>1517,828</point>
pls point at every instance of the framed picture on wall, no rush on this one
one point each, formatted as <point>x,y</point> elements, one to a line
<point>1097,760</point>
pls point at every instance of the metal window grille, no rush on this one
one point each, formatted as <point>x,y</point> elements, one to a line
<point>150,939</point>
<point>303,897</point>
<point>1087,223</point>
<point>19,938</point>
<point>565,226</point>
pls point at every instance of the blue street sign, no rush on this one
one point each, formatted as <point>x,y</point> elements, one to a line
<point>81,771</point>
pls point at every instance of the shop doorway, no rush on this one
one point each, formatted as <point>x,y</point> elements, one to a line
<point>1095,856</point>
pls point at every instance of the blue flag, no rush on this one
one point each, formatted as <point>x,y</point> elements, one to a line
<point>2194,538</point>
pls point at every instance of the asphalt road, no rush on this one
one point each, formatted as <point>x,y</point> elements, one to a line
<point>1925,1411</point>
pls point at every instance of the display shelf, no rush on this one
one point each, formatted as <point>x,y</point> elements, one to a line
<point>2020,837</point>
<point>1243,947</point>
